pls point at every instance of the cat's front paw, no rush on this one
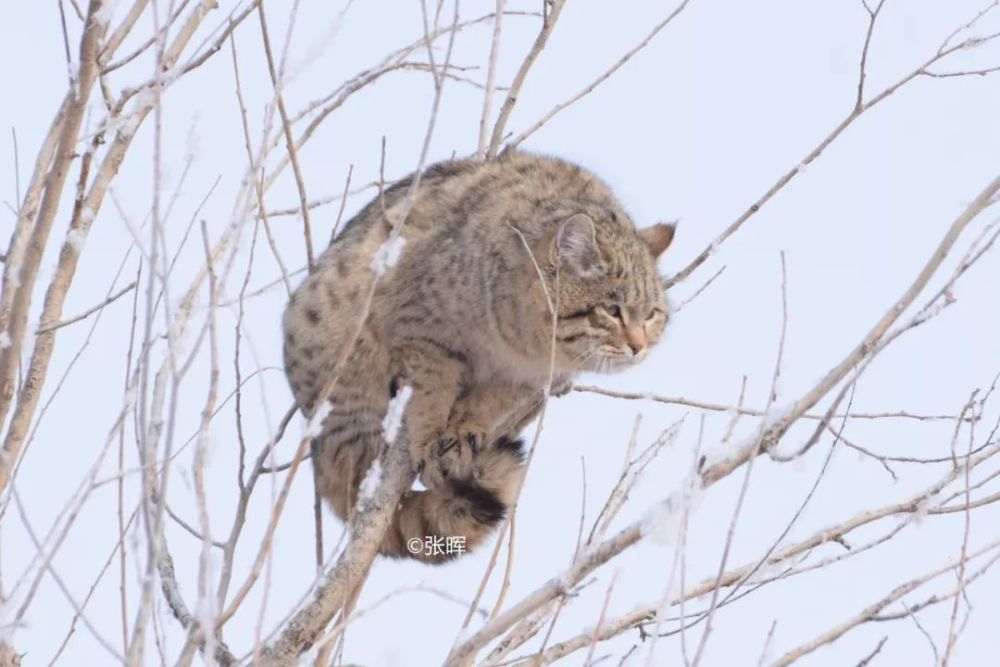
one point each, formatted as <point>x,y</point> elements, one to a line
<point>455,453</point>
<point>457,450</point>
<point>561,386</point>
<point>422,456</point>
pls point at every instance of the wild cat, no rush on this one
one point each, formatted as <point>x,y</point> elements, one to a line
<point>464,319</point>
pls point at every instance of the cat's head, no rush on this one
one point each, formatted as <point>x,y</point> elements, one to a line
<point>609,296</point>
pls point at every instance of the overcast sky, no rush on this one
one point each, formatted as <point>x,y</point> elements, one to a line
<point>694,128</point>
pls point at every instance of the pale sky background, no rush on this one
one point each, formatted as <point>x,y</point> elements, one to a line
<point>696,127</point>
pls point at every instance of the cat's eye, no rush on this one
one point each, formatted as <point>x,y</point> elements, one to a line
<point>614,311</point>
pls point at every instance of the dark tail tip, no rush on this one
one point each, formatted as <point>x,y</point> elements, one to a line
<point>484,505</point>
<point>513,445</point>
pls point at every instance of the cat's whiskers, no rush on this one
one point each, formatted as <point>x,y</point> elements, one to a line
<point>581,359</point>
<point>582,356</point>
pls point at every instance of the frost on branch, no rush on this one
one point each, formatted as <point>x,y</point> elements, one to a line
<point>76,237</point>
<point>14,274</point>
<point>664,520</point>
<point>204,446</point>
<point>105,11</point>
<point>722,450</point>
<point>130,398</point>
<point>370,483</point>
<point>922,509</point>
<point>207,617</point>
<point>315,424</point>
<point>394,415</point>
<point>387,255</point>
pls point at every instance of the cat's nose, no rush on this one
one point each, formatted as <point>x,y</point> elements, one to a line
<point>636,340</point>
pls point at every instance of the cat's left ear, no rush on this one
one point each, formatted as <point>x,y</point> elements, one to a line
<point>658,237</point>
<point>575,246</point>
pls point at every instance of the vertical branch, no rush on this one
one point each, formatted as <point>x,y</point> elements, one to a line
<point>69,130</point>
<point>491,75</point>
<point>205,598</point>
<point>258,180</point>
<point>515,89</point>
<point>963,556</point>
<point>122,586</point>
<point>862,67</point>
<point>27,209</point>
<point>150,423</point>
<point>600,619</point>
<point>289,139</point>
<point>119,34</point>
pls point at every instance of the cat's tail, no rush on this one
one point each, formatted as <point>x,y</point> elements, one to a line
<point>438,525</point>
<point>435,525</point>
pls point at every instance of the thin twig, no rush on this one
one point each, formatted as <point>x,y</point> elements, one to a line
<point>515,87</point>
<point>289,140</point>
<point>90,311</point>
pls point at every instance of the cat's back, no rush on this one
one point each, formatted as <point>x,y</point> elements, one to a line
<point>450,192</point>
<point>454,196</point>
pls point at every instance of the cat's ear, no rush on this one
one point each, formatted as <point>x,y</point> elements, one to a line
<point>658,237</point>
<point>574,247</point>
